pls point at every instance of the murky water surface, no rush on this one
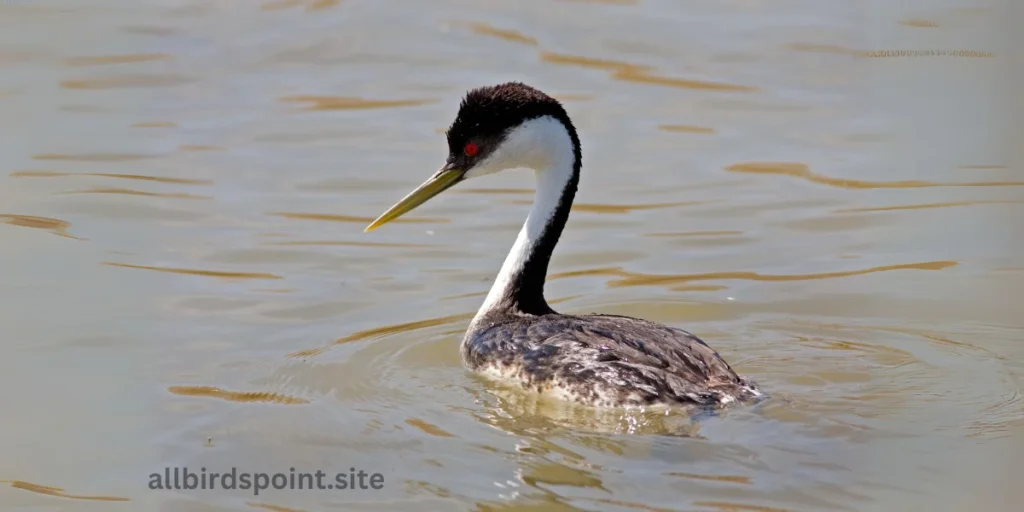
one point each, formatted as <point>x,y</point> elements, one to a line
<point>830,192</point>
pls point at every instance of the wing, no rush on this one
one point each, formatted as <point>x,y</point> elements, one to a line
<point>669,349</point>
<point>614,360</point>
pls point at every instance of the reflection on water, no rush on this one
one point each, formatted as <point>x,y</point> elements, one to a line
<point>798,170</point>
<point>919,23</point>
<point>55,226</point>
<point>198,272</point>
<point>99,60</point>
<point>354,218</point>
<point>53,174</point>
<point>640,279</point>
<point>57,491</point>
<point>506,34</point>
<point>643,77</point>
<point>925,206</point>
<point>685,128</point>
<point>827,192</point>
<point>341,103</point>
<point>237,396</point>
<point>131,192</point>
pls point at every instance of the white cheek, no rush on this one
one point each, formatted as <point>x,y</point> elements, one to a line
<point>536,144</point>
<point>497,161</point>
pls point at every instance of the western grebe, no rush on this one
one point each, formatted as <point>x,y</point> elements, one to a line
<point>597,360</point>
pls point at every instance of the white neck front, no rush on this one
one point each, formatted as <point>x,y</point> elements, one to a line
<point>544,145</point>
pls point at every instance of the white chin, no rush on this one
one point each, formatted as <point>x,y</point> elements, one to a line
<point>483,169</point>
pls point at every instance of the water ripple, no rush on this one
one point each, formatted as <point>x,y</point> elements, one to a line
<point>197,272</point>
<point>310,5</point>
<point>924,206</point>
<point>55,226</point>
<point>94,157</point>
<point>501,33</point>
<point>627,278</point>
<point>697,233</point>
<point>273,508</point>
<point>351,103</point>
<point>378,332</point>
<point>353,218</point>
<point>725,506</point>
<point>57,491</point>
<point>126,81</point>
<point>919,23</point>
<point>609,2</point>
<point>133,192</point>
<point>160,179</point>
<point>590,62</point>
<point>644,77</point>
<point>685,128</point>
<point>155,124</point>
<point>236,396</point>
<point>428,428</point>
<point>800,170</point>
<point>102,60</point>
<point>733,479</point>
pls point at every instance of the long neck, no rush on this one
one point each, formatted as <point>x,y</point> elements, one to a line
<point>519,287</point>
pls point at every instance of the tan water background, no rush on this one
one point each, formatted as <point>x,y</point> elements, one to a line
<point>829,192</point>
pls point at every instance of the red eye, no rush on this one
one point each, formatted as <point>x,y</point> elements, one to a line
<point>471,149</point>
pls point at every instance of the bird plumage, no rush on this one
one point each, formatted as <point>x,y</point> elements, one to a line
<point>603,360</point>
<point>516,337</point>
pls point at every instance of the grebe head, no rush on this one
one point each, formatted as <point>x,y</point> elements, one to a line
<point>505,126</point>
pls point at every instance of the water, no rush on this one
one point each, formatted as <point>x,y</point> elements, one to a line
<point>828,192</point>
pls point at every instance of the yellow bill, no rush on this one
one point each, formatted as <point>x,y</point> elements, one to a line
<point>442,180</point>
